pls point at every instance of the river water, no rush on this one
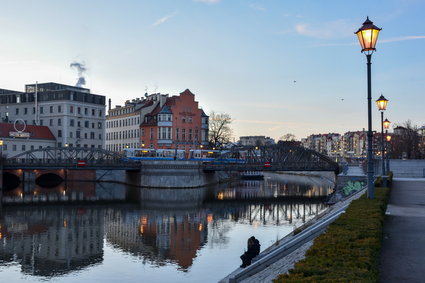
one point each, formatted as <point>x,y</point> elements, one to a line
<point>152,235</point>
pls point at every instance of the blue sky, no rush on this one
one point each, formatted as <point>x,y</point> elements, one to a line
<point>276,67</point>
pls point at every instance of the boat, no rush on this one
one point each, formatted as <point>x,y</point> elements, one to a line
<point>252,175</point>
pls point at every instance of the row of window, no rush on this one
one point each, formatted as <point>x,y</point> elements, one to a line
<point>79,110</point>
<point>120,147</point>
<point>123,122</point>
<point>32,147</point>
<point>78,135</point>
<point>129,134</point>
<point>166,133</point>
<point>86,124</point>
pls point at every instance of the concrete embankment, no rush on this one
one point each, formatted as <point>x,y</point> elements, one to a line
<point>167,174</point>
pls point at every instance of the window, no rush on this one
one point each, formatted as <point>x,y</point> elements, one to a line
<point>143,132</point>
<point>177,133</point>
<point>78,110</point>
<point>151,133</point>
<point>92,135</point>
<point>190,134</point>
<point>99,125</point>
<point>86,124</point>
<point>59,109</point>
<point>33,110</point>
<point>71,109</point>
<point>184,119</point>
<point>86,111</point>
<point>85,135</point>
<point>25,110</point>
<point>184,134</point>
<point>92,112</point>
<point>59,122</point>
<point>41,110</point>
<point>78,134</point>
<point>100,136</point>
<point>71,122</point>
<point>17,111</point>
<point>92,125</point>
<point>14,147</point>
<point>51,109</point>
<point>23,147</point>
<point>71,134</point>
<point>100,113</point>
<point>190,119</point>
<point>51,122</point>
<point>32,147</point>
<point>41,122</point>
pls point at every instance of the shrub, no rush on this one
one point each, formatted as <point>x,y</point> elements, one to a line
<point>349,250</point>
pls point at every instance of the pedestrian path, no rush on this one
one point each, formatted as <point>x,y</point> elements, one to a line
<point>403,247</point>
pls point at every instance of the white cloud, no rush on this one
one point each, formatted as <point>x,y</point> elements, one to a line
<point>339,28</point>
<point>403,38</point>
<point>256,6</point>
<point>208,1</point>
<point>162,20</point>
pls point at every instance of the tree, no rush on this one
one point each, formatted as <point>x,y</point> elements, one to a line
<point>287,137</point>
<point>406,144</point>
<point>219,129</point>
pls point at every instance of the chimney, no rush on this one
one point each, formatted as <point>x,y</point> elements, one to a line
<point>109,102</point>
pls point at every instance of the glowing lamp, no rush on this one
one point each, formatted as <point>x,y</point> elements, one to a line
<point>387,124</point>
<point>368,35</point>
<point>382,103</point>
<point>388,138</point>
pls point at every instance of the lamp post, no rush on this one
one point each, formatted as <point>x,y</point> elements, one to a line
<point>386,125</point>
<point>382,106</point>
<point>368,35</point>
<point>388,150</point>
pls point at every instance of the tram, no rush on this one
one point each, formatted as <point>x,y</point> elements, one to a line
<point>139,154</point>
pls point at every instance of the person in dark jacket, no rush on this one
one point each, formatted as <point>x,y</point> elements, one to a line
<point>253,249</point>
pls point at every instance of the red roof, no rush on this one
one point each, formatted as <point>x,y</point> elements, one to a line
<point>36,132</point>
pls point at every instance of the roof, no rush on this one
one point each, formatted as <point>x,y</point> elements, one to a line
<point>36,132</point>
<point>165,110</point>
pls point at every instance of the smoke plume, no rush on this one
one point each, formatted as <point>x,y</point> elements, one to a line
<point>81,69</point>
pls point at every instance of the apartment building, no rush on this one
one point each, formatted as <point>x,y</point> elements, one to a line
<point>179,123</point>
<point>123,122</point>
<point>75,116</point>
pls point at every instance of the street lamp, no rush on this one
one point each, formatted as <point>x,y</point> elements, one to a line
<point>382,106</point>
<point>368,35</point>
<point>387,124</point>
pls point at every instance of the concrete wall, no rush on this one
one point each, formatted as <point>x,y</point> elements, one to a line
<point>408,168</point>
<point>165,174</point>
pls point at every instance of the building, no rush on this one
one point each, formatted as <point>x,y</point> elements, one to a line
<point>255,141</point>
<point>123,122</point>
<point>178,123</point>
<point>75,116</point>
<point>17,138</point>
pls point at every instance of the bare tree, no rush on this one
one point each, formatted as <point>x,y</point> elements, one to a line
<point>406,144</point>
<point>219,129</point>
<point>287,137</point>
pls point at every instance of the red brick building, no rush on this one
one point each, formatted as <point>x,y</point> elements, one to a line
<point>179,123</point>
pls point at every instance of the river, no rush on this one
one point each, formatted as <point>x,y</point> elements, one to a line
<point>152,235</point>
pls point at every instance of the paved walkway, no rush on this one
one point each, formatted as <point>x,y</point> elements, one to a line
<point>403,247</point>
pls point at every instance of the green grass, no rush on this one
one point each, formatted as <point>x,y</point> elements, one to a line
<point>349,250</point>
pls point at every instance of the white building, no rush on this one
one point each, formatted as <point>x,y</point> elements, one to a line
<point>17,138</point>
<point>123,122</point>
<point>74,115</point>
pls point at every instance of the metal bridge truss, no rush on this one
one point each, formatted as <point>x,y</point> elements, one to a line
<point>276,158</point>
<point>68,157</point>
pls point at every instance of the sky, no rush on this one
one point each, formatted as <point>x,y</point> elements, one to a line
<point>275,66</point>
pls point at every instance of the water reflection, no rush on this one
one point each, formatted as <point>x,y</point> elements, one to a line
<point>51,241</point>
<point>163,228</point>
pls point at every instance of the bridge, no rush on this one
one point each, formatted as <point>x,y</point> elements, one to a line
<point>69,158</point>
<point>273,158</point>
<point>264,158</point>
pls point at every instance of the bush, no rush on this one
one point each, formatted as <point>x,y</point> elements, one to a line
<point>349,250</point>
